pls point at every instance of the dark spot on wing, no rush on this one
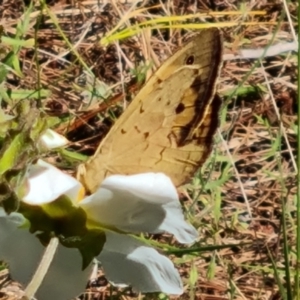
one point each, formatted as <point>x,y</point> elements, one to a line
<point>141,109</point>
<point>196,83</point>
<point>123,131</point>
<point>180,108</point>
<point>137,129</point>
<point>190,60</point>
<point>146,134</point>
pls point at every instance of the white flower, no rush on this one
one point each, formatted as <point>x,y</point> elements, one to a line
<point>139,203</point>
<point>130,262</point>
<point>51,139</point>
<point>46,183</point>
<point>23,251</point>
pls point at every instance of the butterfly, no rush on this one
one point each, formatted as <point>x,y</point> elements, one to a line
<point>170,124</point>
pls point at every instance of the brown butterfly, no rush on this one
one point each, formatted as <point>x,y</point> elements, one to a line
<point>170,124</point>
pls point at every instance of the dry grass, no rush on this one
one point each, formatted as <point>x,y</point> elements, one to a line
<point>251,173</point>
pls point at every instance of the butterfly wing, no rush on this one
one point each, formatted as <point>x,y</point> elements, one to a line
<point>169,126</point>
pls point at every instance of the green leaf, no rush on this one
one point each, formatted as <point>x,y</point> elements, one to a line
<point>72,156</point>
<point>18,150</point>
<point>3,73</point>
<point>91,246</point>
<point>60,218</point>
<point>211,271</point>
<point>32,94</point>
<point>18,43</point>
<point>193,275</point>
<point>11,154</point>
<point>6,122</point>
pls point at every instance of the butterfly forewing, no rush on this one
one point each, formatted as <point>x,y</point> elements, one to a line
<point>169,126</point>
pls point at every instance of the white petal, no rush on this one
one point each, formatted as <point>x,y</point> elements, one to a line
<point>23,251</point>
<point>46,183</point>
<point>65,278</point>
<point>153,187</point>
<point>139,203</point>
<point>175,224</point>
<point>51,139</point>
<point>127,261</point>
<point>22,261</point>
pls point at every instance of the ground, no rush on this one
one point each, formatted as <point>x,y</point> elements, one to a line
<point>247,187</point>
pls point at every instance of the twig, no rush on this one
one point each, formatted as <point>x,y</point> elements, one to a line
<point>258,53</point>
<point>42,269</point>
